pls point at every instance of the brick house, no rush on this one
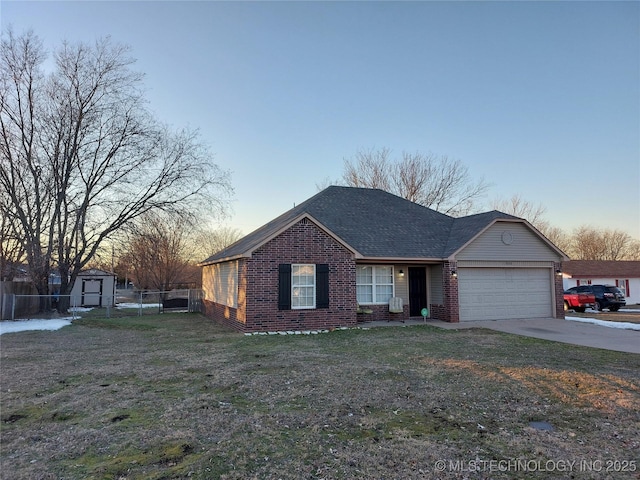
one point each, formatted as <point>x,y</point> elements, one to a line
<point>347,250</point>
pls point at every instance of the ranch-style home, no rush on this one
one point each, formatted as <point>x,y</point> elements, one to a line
<point>350,255</point>
<point>623,274</point>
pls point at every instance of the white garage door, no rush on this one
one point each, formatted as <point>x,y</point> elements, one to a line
<point>501,293</point>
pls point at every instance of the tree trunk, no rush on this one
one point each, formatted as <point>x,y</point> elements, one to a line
<point>42,286</point>
<point>64,301</point>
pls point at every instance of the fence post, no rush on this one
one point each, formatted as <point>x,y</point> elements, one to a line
<point>4,306</point>
<point>13,306</point>
<point>140,305</point>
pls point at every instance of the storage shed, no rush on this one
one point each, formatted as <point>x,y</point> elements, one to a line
<point>94,288</point>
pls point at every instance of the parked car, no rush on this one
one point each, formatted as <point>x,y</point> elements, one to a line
<point>607,296</point>
<point>579,302</point>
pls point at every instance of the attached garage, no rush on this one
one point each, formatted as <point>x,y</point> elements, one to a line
<point>501,293</point>
<point>508,271</point>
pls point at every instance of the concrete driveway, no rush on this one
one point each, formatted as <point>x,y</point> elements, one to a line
<point>560,330</point>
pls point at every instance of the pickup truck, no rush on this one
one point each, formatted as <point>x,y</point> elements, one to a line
<point>578,301</point>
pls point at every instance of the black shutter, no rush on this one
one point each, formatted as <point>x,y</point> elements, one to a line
<point>322,286</point>
<point>284,286</point>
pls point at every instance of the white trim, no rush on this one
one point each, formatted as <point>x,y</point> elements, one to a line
<point>504,264</point>
<point>374,283</point>
<point>293,286</point>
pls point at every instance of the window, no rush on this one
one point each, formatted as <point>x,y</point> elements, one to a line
<point>303,286</point>
<point>623,284</point>
<point>374,284</point>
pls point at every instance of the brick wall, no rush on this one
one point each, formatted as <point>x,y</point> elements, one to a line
<point>229,316</point>
<point>437,311</point>
<point>222,314</point>
<point>451,305</point>
<point>258,309</point>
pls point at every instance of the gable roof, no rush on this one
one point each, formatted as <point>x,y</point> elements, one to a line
<point>602,268</point>
<point>373,224</point>
<point>465,229</point>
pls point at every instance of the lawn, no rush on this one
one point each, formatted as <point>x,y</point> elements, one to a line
<point>174,396</point>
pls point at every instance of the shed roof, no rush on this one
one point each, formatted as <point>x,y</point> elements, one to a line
<point>95,272</point>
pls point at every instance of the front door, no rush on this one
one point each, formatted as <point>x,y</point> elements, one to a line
<point>417,290</point>
<point>91,292</point>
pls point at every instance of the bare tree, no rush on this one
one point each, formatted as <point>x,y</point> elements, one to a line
<point>212,240</point>
<point>557,236</point>
<point>634,250</point>
<point>159,252</point>
<point>12,254</point>
<point>617,244</point>
<point>81,157</point>
<point>440,183</point>
<point>325,183</point>
<point>369,169</point>
<point>517,206</point>
<point>534,214</point>
<point>588,243</point>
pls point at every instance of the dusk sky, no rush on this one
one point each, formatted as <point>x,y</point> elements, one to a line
<point>539,98</point>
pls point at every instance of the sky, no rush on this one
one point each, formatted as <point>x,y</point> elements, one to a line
<point>541,99</point>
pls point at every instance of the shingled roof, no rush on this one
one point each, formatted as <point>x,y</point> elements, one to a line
<point>375,224</point>
<point>602,268</point>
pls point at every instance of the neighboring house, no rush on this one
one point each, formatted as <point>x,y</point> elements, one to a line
<point>623,274</point>
<point>94,288</point>
<point>350,250</point>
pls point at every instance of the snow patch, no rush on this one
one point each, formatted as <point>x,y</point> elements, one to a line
<point>11,326</point>
<point>138,305</point>
<point>603,323</point>
<point>80,309</point>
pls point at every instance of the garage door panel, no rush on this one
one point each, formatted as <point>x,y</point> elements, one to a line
<point>501,293</point>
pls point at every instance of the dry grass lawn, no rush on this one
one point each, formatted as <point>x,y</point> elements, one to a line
<point>174,396</point>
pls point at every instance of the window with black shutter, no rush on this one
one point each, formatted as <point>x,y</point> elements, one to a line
<point>322,286</point>
<point>284,286</point>
<point>286,289</point>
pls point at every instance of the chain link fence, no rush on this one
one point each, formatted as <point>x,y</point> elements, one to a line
<point>126,303</point>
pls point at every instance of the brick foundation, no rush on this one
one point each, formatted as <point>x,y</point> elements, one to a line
<point>437,312</point>
<point>222,314</point>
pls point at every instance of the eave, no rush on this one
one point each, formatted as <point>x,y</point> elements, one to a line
<point>264,240</point>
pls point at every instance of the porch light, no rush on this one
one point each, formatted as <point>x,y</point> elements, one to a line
<point>559,273</point>
<point>454,274</point>
<point>401,273</point>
